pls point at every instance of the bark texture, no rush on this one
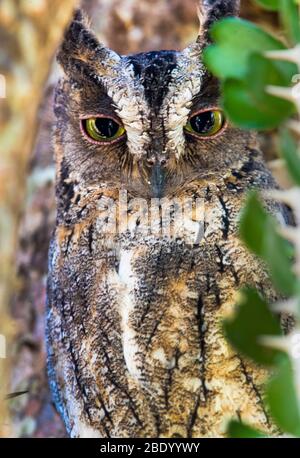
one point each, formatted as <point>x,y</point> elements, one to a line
<point>29,34</point>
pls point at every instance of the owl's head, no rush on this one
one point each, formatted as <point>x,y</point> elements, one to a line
<point>149,122</point>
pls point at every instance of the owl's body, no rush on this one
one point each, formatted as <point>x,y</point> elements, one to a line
<point>135,345</point>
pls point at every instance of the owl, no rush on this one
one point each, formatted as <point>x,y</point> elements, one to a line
<point>145,261</point>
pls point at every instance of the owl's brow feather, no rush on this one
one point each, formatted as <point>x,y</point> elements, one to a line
<point>209,93</point>
<point>77,68</point>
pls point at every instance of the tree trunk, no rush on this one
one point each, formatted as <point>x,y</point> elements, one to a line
<point>30,33</point>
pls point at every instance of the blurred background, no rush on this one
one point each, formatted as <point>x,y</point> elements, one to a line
<point>127,26</point>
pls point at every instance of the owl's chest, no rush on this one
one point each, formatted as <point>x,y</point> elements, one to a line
<point>156,291</point>
<point>148,316</point>
<point>152,276</point>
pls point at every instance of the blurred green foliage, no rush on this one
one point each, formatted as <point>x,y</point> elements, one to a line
<point>239,58</point>
<point>252,320</point>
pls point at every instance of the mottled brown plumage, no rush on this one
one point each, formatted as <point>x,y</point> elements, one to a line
<point>135,347</point>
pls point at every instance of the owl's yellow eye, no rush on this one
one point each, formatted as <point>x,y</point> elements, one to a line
<point>103,129</point>
<point>206,123</point>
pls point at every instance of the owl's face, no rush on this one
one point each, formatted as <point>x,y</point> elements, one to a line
<point>149,122</point>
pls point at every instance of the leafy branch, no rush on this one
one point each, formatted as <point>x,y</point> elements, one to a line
<point>259,76</point>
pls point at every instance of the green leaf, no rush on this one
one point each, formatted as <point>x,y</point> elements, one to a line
<point>290,154</point>
<point>282,399</point>
<point>272,5</point>
<point>237,59</point>
<point>235,41</point>
<point>238,430</point>
<point>252,320</point>
<point>247,102</point>
<point>258,231</point>
<point>290,19</point>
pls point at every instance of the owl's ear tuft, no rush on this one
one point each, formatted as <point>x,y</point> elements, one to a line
<point>211,11</point>
<point>79,15</point>
<point>81,52</point>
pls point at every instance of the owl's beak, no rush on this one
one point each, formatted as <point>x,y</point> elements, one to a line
<point>158,174</point>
